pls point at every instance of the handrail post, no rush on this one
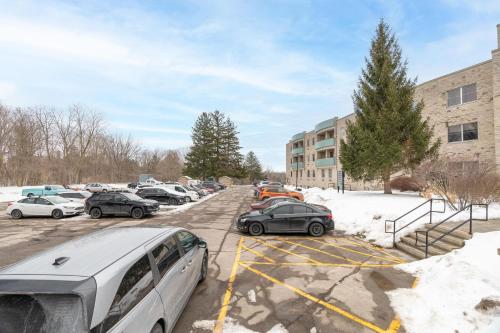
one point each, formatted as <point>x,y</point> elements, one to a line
<point>430,213</point>
<point>394,234</point>
<point>426,243</point>
<point>470,219</point>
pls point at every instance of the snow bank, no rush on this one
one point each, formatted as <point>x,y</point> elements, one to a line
<point>450,287</point>
<point>364,212</point>
<point>12,193</point>
<point>232,326</point>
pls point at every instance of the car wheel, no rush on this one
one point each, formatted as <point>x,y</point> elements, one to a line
<point>316,229</point>
<point>204,267</point>
<point>57,213</point>
<point>16,214</point>
<point>255,229</point>
<point>173,202</point>
<point>95,213</point>
<point>188,199</point>
<point>104,190</point>
<point>157,328</point>
<point>137,213</point>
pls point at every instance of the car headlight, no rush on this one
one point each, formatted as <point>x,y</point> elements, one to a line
<point>68,207</point>
<point>243,220</point>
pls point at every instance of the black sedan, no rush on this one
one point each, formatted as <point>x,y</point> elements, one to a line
<point>161,196</point>
<point>287,217</point>
<point>119,203</point>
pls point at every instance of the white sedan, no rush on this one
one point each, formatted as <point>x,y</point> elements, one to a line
<point>54,206</point>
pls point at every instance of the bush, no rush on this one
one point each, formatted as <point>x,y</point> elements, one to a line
<point>405,183</point>
<point>461,183</point>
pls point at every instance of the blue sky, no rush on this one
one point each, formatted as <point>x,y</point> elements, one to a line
<point>275,67</point>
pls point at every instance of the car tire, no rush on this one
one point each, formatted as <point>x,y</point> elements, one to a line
<point>157,328</point>
<point>316,229</point>
<point>16,214</point>
<point>104,190</point>
<point>57,214</point>
<point>173,202</point>
<point>188,199</point>
<point>255,229</point>
<point>204,267</point>
<point>95,213</point>
<point>137,213</point>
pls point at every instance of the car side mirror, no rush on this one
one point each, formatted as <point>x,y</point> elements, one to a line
<point>202,244</point>
<point>271,216</point>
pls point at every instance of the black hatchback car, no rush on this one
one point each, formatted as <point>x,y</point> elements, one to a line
<point>119,204</point>
<point>161,196</point>
<point>287,217</point>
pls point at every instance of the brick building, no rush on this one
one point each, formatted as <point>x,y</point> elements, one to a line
<point>463,107</point>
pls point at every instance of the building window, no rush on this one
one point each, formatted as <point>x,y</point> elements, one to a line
<point>300,173</point>
<point>314,174</point>
<point>313,141</point>
<point>323,173</point>
<point>308,142</point>
<point>462,95</point>
<point>463,132</point>
<point>308,174</point>
<point>329,173</point>
<point>313,158</point>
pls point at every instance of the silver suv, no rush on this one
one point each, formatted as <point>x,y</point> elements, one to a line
<point>130,280</point>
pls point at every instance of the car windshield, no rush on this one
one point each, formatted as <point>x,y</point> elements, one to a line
<point>41,313</point>
<point>57,200</point>
<point>132,196</point>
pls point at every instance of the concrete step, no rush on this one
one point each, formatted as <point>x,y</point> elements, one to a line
<point>444,243</point>
<point>410,250</point>
<point>445,228</point>
<point>432,250</point>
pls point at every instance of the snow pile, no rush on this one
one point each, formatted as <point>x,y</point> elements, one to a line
<point>364,212</point>
<point>12,193</point>
<point>232,326</point>
<point>457,292</point>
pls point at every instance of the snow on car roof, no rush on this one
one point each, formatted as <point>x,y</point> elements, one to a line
<point>88,254</point>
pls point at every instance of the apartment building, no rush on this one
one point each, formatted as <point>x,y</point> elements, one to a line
<point>463,107</point>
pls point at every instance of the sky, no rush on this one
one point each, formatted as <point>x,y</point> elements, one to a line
<point>275,68</point>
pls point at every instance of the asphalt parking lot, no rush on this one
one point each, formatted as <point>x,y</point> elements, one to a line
<point>334,283</point>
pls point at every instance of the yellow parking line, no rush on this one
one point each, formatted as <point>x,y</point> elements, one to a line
<point>351,250</point>
<point>285,251</point>
<point>229,290</point>
<point>314,264</point>
<point>257,253</point>
<point>321,251</point>
<point>396,322</point>
<point>369,246</point>
<point>314,299</point>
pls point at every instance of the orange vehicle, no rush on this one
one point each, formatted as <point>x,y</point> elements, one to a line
<point>279,192</point>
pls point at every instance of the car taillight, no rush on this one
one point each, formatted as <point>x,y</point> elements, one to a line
<point>330,216</point>
<point>10,203</point>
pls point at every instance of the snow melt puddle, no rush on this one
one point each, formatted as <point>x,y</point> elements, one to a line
<point>232,326</point>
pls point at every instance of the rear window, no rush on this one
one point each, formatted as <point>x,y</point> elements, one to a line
<point>41,313</point>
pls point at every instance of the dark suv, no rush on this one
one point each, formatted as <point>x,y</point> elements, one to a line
<point>120,204</point>
<point>161,196</point>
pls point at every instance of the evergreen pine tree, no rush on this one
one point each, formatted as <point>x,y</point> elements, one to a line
<point>253,167</point>
<point>388,134</point>
<point>216,148</point>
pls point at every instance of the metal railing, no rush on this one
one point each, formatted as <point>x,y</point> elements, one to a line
<point>446,233</point>
<point>431,210</point>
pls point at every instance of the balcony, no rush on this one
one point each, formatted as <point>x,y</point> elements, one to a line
<point>298,136</point>
<point>298,151</point>
<point>325,162</point>
<point>330,123</point>
<point>328,143</point>
<point>299,165</point>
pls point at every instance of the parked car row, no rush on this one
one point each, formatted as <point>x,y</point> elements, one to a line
<point>283,211</point>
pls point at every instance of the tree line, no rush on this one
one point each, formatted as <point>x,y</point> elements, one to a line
<point>45,145</point>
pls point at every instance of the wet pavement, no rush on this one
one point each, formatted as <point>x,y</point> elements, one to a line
<point>334,283</point>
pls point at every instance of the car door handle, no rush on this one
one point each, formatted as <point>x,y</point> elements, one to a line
<point>183,269</point>
<point>190,262</point>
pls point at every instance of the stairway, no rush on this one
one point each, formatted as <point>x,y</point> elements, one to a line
<point>455,240</point>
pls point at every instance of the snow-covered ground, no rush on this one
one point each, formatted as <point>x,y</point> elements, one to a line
<point>364,212</point>
<point>232,326</point>
<point>456,292</point>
